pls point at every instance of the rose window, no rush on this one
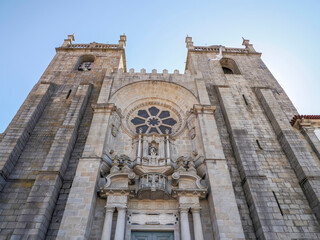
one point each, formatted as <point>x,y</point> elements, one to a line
<point>154,120</point>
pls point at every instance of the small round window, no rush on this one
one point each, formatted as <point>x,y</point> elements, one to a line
<point>154,119</point>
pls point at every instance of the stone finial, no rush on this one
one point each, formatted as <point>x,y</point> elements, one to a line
<point>131,70</point>
<point>142,70</point>
<point>115,164</point>
<point>176,72</point>
<point>189,43</point>
<point>68,41</point>
<point>154,71</point>
<point>126,163</point>
<point>175,178</point>
<point>248,46</point>
<point>191,167</point>
<point>122,41</point>
<point>165,71</point>
<point>181,164</point>
<point>71,37</point>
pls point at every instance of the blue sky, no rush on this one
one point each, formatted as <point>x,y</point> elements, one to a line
<point>286,32</point>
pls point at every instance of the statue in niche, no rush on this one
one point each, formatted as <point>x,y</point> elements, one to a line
<point>114,130</point>
<point>153,149</point>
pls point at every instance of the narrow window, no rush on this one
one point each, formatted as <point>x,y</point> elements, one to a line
<point>68,95</point>
<point>245,100</point>
<point>275,196</point>
<point>258,143</point>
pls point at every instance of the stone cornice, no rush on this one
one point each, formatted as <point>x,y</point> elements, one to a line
<point>299,121</point>
<point>103,107</point>
<point>105,192</point>
<point>203,109</point>
<point>201,193</point>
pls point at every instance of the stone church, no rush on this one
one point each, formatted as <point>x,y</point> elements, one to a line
<point>97,151</point>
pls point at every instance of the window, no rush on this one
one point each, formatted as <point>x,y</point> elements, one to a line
<point>85,63</point>
<point>227,70</point>
<point>85,66</point>
<point>229,66</point>
<point>153,120</point>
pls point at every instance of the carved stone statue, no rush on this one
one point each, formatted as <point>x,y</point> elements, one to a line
<point>153,149</point>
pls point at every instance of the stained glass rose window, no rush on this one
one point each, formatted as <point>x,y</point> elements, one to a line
<point>154,120</point>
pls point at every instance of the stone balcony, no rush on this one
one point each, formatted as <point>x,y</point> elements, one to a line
<point>153,186</point>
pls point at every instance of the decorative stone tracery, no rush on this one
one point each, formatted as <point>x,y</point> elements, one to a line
<point>156,117</point>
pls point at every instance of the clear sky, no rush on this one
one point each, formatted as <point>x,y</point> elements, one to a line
<point>286,32</point>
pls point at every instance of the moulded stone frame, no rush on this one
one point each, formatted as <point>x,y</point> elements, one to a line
<point>163,104</point>
<point>158,228</point>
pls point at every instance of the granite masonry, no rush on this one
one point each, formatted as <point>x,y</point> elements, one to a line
<point>99,152</point>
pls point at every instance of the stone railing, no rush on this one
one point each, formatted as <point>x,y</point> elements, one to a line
<point>236,50</point>
<point>153,181</point>
<point>78,46</point>
<point>208,49</point>
<point>216,49</point>
<point>93,46</point>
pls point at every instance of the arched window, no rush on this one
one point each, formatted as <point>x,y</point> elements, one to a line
<point>85,63</point>
<point>229,66</point>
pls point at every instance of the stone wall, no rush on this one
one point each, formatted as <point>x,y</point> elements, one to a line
<point>41,130</point>
<point>262,174</point>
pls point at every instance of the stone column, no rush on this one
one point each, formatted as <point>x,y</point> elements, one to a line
<point>168,148</point>
<point>139,148</point>
<point>184,224</point>
<point>106,232</point>
<point>198,234</point>
<point>121,221</point>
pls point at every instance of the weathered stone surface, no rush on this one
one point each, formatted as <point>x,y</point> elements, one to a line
<point>226,165</point>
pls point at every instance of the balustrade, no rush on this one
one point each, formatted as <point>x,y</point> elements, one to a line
<point>153,185</point>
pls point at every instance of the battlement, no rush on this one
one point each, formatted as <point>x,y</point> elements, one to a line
<point>154,72</point>
<point>123,78</point>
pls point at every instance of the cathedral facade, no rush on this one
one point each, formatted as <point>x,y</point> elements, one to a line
<point>218,152</point>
